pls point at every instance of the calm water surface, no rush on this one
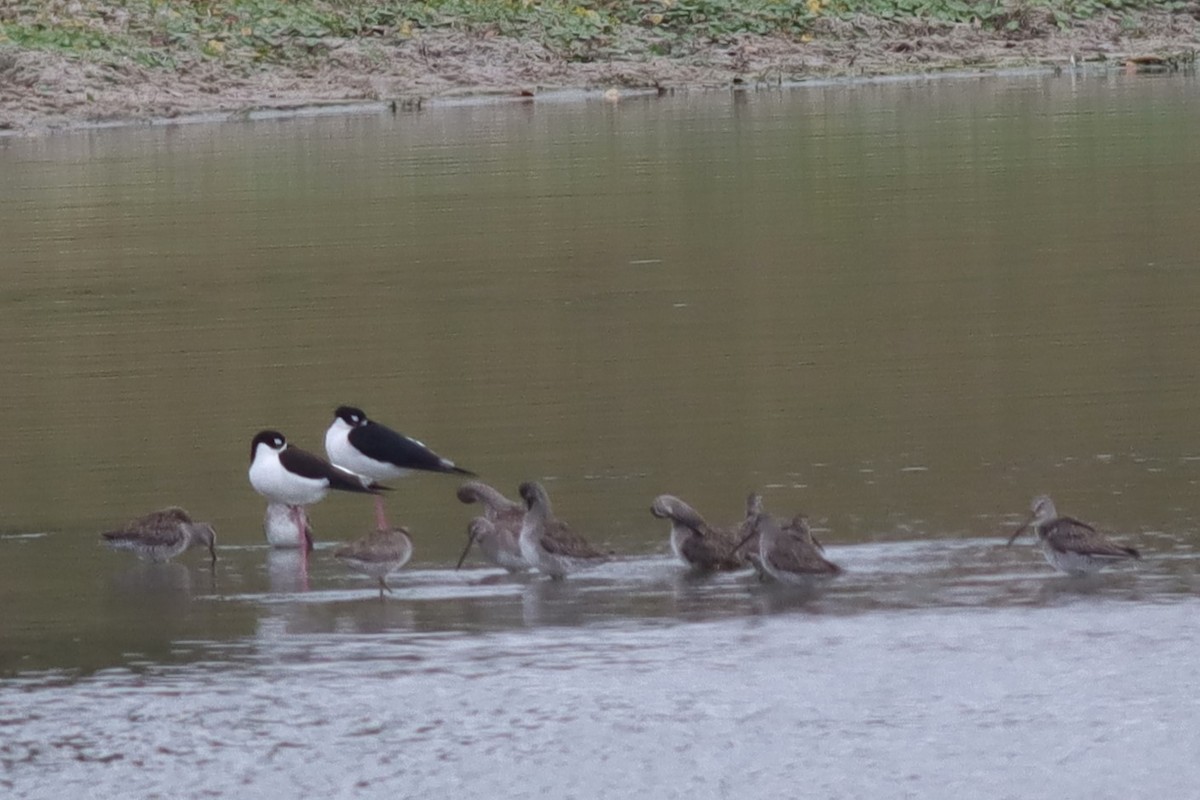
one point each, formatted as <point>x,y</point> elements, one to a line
<point>902,308</point>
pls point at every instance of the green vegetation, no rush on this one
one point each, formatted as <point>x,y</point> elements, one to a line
<point>242,33</point>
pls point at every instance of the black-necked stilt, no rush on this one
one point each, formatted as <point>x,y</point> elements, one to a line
<point>294,477</point>
<point>162,535</point>
<point>546,542</point>
<point>369,448</point>
<point>377,554</point>
<point>1071,546</point>
<point>694,541</point>
<point>789,555</point>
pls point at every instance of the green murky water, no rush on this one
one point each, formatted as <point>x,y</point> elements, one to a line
<point>904,308</point>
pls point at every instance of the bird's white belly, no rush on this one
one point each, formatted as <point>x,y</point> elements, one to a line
<point>528,542</point>
<point>374,569</point>
<point>495,551</point>
<point>510,561</point>
<point>275,483</point>
<point>281,525</point>
<point>1072,563</point>
<point>678,534</point>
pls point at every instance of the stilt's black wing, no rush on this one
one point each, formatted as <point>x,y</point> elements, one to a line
<point>307,465</point>
<point>383,444</point>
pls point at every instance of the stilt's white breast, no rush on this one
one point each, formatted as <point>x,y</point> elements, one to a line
<point>272,481</point>
<point>346,456</point>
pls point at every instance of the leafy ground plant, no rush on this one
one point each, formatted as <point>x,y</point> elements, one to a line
<point>245,32</point>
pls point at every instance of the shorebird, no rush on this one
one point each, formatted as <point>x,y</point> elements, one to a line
<point>162,535</point>
<point>500,545</point>
<point>368,448</point>
<point>498,531</point>
<point>377,554</point>
<point>546,542</point>
<point>754,507</point>
<point>791,555</point>
<point>693,541</point>
<point>287,527</point>
<point>294,477</point>
<point>1071,546</point>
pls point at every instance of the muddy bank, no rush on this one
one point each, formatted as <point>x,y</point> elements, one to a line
<point>46,89</point>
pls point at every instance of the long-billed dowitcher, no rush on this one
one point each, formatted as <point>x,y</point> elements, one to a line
<point>694,541</point>
<point>499,545</point>
<point>294,477</point>
<point>789,555</point>
<point>546,542</point>
<point>498,531</point>
<point>1069,545</point>
<point>287,527</point>
<point>754,507</point>
<point>369,448</point>
<point>161,535</point>
<point>380,552</point>
<point>496,507</point>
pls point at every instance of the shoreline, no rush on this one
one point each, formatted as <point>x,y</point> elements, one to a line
<point>310,110</point>
<point>43,91</point>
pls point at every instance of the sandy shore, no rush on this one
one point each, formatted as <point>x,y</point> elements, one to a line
<point>42,90</point>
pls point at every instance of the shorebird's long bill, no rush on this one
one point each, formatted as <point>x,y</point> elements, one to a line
<point>1019,531</point>
<point>467,549</point>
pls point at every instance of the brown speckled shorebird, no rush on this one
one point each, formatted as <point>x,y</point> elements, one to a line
<point>1071,546</point>
<point>754,507</point>
<point>161,535</point>
<point>546,542</point>
<point>789,555</point>
<point>377,554</point>
<point>498,531</point>
<point>500,545</point>
<point>694,541</point>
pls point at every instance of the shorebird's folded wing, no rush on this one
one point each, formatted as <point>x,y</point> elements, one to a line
<point>1068,535</point>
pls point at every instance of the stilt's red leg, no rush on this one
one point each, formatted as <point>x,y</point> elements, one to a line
<point>302,526</point>
<point>380,518</point>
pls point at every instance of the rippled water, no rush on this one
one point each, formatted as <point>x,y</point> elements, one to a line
<point>933,669</point>
<point>902,308</point>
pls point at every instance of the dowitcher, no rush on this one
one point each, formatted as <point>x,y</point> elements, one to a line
<point>754,507</point>
<point>694,541</point>
<point>369,448</point>
<point>789,555</point>
<point>1071,546</point>
<point>380,552</point>
<point>501,546</point>
<point>161,535</point>
<point>546,542</point>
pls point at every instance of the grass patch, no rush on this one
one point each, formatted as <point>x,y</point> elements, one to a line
<point>165,33</point>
